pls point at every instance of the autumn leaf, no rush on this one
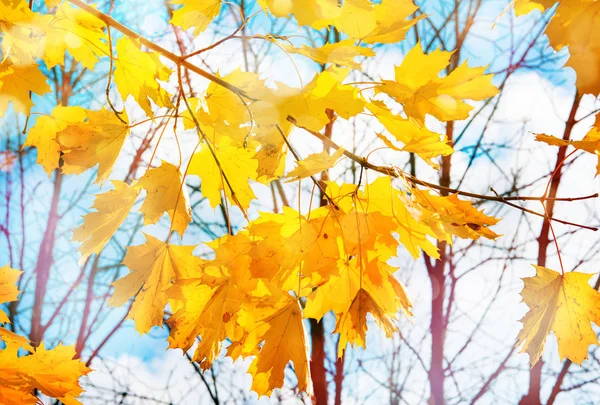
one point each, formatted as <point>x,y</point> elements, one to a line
<point>8,289</point>
<point>16,81</point>
<point>284,341</point>
<point>308,106</point>
<point>76,31</point>
<point>574,25</point>
<point>22,32</point>
<point>238,167</point>
<point>412,133</point>
<point>137,74</point>
<point>386,22</point>
<point>340,53</point>
<point>421,91</point>
<point>449,215</point>
<point>589,143</point>
<point>526,6</point>
<point>54,373</point>
<point>43,134</point>
<point>155,266</point>
<point>195,13</point>
<point>564,304</point>
<point>112,207</point>
<point>315,13</point>
<point>166,191</point>
<point>95,142</point>
<point>272,153</point>
<point>381,196</point>
<point>314,163</point>
<point>209,312</point>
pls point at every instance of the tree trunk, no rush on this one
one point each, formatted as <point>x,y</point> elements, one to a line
<point>535,374</point>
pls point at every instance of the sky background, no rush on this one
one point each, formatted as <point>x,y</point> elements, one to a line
<point>533,102</point>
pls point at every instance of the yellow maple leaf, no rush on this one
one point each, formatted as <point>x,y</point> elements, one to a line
<point>166,191</point>
<point>54,373</point>
<point>315,163</point>
<point>352,325</point>
<point>284,341</point>
<point>208,311</point>
<point>137,74</point>
<point>340,53</point>
<point>155,266</point>
<point>325,92</point>
<point>195,13</point>
<point>272,153</point>
<point>526,6</point>
<point>354,291</point>
<point>238,165</point>
<point>381,196</point>
<point>575,25</point>
<point>95,142</point>
<point>315,13</point>
<point>449,215</point>
<point>224,105</point>
<point>112,207</point>
<point>385,22</point>
<point>413,134</point>
<point>589,143</point>
<point>8,289</point>
<point>76,31</point>
<point>43,134</point>
<point>421,91</point>
<point>16,81</point>
<point>563,304</point>
<point>22,32</point>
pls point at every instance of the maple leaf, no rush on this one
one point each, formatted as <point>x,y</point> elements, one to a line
<point>16,81</point>
<point>356,290</point>
<point>137,74</point>
<point>195,13</point>
<point>340,53</point>
<point>385,22</point>
<point>54,373</point>
<point>8,290</point>
<point>526,6</point>
<point>77,31</point>
<point>449,215</point>
<point>22,32</point>
<point>575,26</point>
<point>43,134</point>
<point>314,164</point>
<point>237,164</point>
<point>207,311</point>
<point>589,143</point>
<point>563,304</point>
<point>95,142</point>
<point>284,341</point>
<point>166,191</point>
<point>316,13</point>
<point>98,227</point>
<point>224,105</point>
<point>421,92</point>
<point>272,153</point>
<point>155,266</point>
<point>387,204</point>
<point>308,106</point>
<point>412,133</point>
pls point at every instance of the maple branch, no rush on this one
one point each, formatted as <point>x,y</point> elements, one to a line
<point>178,60</point>
<point>394,172</point>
